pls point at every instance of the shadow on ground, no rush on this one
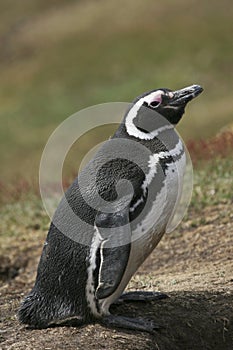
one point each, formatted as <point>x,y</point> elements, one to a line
<point>189,320</point>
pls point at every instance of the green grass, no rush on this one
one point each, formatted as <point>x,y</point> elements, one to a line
<point>27,214</point>
<point>59,57</point>
<point>213,183</point>
<point>24,221</point>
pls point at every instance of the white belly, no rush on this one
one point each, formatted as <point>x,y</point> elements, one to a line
<point>157,219</point>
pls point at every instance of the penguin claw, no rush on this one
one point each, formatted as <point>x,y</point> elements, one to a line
<point>140,296</point>
<point>136,324</point>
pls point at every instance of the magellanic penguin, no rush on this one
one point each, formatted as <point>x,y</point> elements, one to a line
<point>81,274</point>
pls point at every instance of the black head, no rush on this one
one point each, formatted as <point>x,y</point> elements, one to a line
<point>170,104</point>
<point>152,110</point>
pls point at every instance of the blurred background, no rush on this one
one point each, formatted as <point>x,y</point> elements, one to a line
<point>59,56</point>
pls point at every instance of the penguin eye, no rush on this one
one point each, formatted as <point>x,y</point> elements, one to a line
<point>154,99</point>
<point>155,104</point>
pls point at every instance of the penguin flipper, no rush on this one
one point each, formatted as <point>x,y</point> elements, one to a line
<point>140,296</point>
<point>115,231</point>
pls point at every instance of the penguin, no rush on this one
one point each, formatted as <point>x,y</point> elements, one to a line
<point>81,274</point>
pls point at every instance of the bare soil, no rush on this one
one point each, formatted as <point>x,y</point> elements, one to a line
<point>193,265</point>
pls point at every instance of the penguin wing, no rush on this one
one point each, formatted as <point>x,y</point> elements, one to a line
<point>115,232</point>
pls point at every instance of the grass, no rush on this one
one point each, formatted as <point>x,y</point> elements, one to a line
<point>24,222</point>
<point>59,57</point>
<point>213,183</point>
<point>212,164</point>
<point>27,213</point>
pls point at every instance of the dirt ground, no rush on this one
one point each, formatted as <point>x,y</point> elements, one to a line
<point>193,265</point>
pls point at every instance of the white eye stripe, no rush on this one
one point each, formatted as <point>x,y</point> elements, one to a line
<point>154,96</point>
<point>132,130</point>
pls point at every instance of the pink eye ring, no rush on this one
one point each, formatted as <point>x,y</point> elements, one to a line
<point>156,101</point>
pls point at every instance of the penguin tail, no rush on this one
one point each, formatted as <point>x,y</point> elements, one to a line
<point>31,312</point>
<point>38,312</point>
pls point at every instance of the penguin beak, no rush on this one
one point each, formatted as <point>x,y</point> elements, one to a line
<point>183,96</point>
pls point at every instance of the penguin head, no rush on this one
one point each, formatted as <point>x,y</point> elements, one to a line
<point>170,104</point>
<point>143,119</point>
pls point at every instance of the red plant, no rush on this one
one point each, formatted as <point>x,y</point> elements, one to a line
<point>219,146</point>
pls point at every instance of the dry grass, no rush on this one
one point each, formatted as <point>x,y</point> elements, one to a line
<point>219,146</point>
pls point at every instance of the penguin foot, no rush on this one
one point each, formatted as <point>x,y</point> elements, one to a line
<point>140,296</point>
<point>136,324</point>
